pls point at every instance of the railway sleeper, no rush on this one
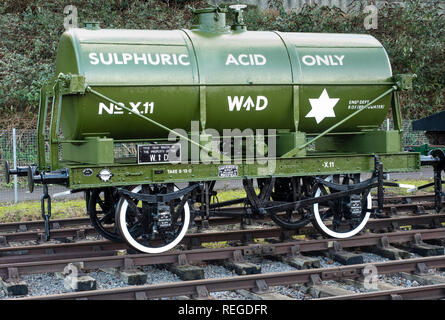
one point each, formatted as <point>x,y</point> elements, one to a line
<point>128,273</point>
<point>384,249</point>
<point>424,249</point>
<point>319,290</point>
<point>14,285</point>
<point>379,285</point>
<point>342,256</point>
<point>263,296</point>
<point>187,272</point>
<point>427,279</point>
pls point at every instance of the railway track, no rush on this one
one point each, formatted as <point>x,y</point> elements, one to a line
<point>430,292</point>
<point>260,283</point>
<point>206,255</point>
<point>19,260</point>
<point>52,251</point>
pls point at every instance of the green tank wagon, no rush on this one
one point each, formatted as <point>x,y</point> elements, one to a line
<point>305,108</point>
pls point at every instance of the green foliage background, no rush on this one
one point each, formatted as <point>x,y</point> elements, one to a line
<point>413,35</point>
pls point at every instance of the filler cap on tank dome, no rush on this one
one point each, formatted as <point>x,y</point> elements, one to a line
<point>238,24</point>
<point>211,20</point>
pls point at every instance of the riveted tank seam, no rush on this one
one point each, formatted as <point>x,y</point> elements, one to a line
<point>295,88</point>
<point>288,54</point>
<point>188,41</point>
<point>186,32</point>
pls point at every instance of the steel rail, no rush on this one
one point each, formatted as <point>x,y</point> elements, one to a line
<point>193,240</point>
<point>201,255</point>
<point>248,281</point>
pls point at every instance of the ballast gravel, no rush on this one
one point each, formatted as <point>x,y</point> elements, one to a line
<point>228,295</point>
<point>296,293</point>
<point>326,262</point>
<point>269,266</point>
<point>44,284</point>
<point>159,275</point>
<point>371,258</point>
<point>397,280</point>
<point>106,280</point>
<point>212,271</point>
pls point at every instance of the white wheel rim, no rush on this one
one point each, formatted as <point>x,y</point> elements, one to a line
<point>132,242</point>
<point>335,234</point>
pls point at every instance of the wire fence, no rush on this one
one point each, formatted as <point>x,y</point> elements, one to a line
<point>25,142</point>
<point>26,154</point>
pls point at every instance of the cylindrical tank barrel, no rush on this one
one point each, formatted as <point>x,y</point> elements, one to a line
<point>248,79</point>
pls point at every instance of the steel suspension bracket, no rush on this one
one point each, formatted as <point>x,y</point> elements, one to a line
<point>437,160</point>
<point>46,214</point>
<point>258,201</point>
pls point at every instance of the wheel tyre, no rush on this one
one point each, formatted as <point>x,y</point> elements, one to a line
<point>320,226</point>
<point>120,219</point>
<point>112,236</point>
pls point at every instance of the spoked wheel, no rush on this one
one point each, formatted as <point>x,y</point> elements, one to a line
<point>152,227</point>
<point>101,204</point>
<point>291,190</point>
<point>345,217</point>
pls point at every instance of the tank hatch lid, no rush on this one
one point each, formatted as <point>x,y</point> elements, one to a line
<point>211,19</point>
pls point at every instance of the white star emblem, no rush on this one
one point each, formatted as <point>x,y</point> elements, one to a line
<point>322,107</point>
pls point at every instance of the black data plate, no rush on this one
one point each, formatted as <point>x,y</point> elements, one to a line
<point>159,153</point>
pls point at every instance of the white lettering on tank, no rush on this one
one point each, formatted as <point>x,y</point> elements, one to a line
<point>260,99</point>
<point>309,63</point>
<point>127,57</point>
<point>134,107</point>
<point>102,59</point>
<point>259,57</point>
<point>151,61</point>
<point>166,59</point>
<point>117,109</point>
<point>231,59</point>
<point>340,59</point>
<point>116,60</point>
<point>324,60</point>
<point>332,61</point>
<point>237,102</point>
<point>248,104</point>
<point>241,57</point>
<point>104,107</point>
<point>327,60</point>
<point>181,59</point>
<point>136,59</point>
<point>246,59</point>
<point>93,58</point>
